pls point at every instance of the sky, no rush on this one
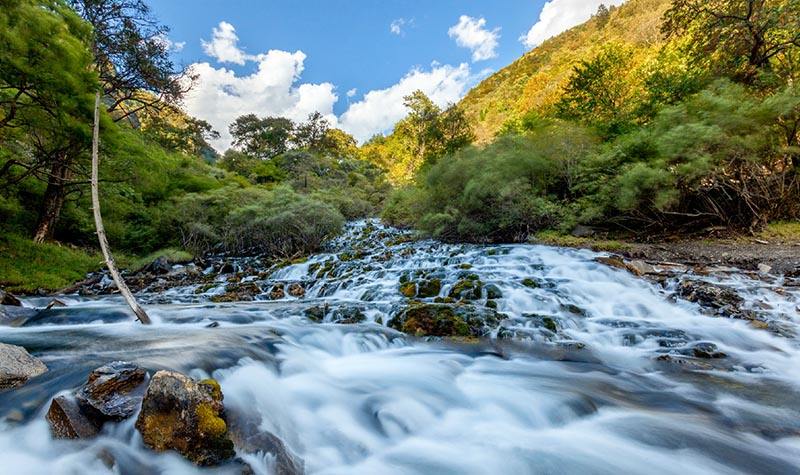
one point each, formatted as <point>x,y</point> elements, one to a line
<point>351,60</point>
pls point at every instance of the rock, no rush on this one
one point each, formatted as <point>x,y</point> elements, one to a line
<point>429,288</point>
<point>181,414</point>
<point>316,313</point>
<point>55,303</point>
<point>764,268</point>
<point>530,283</point>
<point>17,366</point>
<point>444,320</point>
<point>68,421</point>
<point>408,289</point>
<point>582,231</point>
<point>612,261</point>
<point>296,290</point>
<point>723,300</point>
<point>7,298</point>
<point>248,437</point>
<point>707,350</point>
<point>493,292</point>
<point>469,288</point>
<point>277,292</point>
<point>235,292</point>
<point>213,325</point>
<point>639,268</point>
<point>114,390</point>
<point>159,266</point>
<point>348,316</point>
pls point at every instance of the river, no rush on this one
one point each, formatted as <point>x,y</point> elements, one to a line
<point>571,381</point>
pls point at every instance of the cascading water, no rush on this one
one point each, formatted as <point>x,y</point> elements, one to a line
<point>578,377</point>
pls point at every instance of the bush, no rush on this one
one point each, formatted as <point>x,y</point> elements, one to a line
<point>277,222</point>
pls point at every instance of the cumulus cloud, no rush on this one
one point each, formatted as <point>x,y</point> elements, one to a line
<point>380,109</point>
<point>561,15</point>
<point>471,33</point>
<point>352,92</point>
<point>169,45</point>
<point>220,95</point>
<point>224,45</point>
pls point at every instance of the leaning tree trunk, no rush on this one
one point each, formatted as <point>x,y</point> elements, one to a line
<point>52,202</point>
<point>98,221</point>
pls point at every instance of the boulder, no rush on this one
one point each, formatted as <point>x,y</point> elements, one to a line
<point>468,288</point>
<point>277,292</point>
<point>248,437</point>
<point>17,366</point>
<point>445,320</point>
<point>159,266</point>
<point>296,290</point>
<point>493,292</point>
<point>7,298</point>
<point>69,421</point>
<point>114,390</point>
<point>429,288</point>
<point>723,300</point>
<point>181,414</point>
<point>348,315</point>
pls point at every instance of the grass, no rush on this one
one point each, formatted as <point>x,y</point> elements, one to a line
<point>26,267</point>
<point>555,238</point>
<point>783,231</point>
<point>173,255</point>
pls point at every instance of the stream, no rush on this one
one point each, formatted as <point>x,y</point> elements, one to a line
<point>592,370</point>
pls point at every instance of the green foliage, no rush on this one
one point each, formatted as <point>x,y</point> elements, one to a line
<point>276,222</point>
<point>262,138</point>
<point>739,38</point>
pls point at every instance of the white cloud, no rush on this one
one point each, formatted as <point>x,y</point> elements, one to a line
<point>220,95</point>
<point>470,33</point>
<point>352,92</point>
<point>396,27</point>
<point>561,15</point>
<point>224,45</point>
<point>169,45</point>
<point>379,110</point>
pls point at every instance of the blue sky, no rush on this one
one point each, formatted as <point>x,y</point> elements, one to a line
<point>351,60</point>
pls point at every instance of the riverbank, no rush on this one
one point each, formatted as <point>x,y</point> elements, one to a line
<point>775,250</point>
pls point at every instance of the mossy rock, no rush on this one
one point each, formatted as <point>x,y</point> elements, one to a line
<point>445,320</point>
<point>429,288</point>
<point>316,313</point>
<point>493,292</point>
<point>467,289</point>
<point>530,283</point>
<point>491,304</point>
<point>408,289</point>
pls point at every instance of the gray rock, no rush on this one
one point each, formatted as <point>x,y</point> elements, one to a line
<point>114,391</point>
<point>17,366</point>
<point>764,268</point>
<point>249,438</point>
<point>159,266</point>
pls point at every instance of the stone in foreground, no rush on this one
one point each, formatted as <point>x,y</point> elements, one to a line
<point>181,414</point>
<point>17,366</point>
<point>68,421</point>
<point>114,390</point>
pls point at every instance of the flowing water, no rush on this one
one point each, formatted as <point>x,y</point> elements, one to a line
<point>571,382</point>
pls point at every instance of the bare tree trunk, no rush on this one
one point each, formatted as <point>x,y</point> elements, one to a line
<point>98,221</point>
<point>52,202</point>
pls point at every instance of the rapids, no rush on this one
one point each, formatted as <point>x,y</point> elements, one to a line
<point>590,397</point>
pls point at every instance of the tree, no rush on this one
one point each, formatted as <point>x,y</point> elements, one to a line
<point>262,138</point>
<point>599,92</point>
<point>313,133</point>
<point>740,37</point>
<point>131,59</point>
<point>603,15</point>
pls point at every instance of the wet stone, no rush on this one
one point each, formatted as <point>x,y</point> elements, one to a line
<point>114,390</point>
<point>17,366</point>
<point>69,421</point>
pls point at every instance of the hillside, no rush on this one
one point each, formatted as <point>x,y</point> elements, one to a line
<point>535,80</point>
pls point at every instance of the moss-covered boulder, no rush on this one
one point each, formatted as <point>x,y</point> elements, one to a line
<point>530,283</point>
<point>468,288</point>
<point>493,292</point>
<point>444,320</point>
<point>429,288</point>
<point>181,414</point>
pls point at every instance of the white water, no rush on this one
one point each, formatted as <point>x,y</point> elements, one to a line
<point>590,398</point>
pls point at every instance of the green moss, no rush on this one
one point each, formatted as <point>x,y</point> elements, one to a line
<point>491,304</point>
<point>530,283</point>
<point>550,324</point>
<point>467,289</point>
<point>555,238</point>
<point>209,422</point>
<point>216,389</point>
<point>465,266</point>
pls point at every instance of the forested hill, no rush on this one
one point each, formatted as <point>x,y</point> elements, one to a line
<point>535,81</point>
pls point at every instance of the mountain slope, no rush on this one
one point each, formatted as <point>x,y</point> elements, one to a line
<point>535,81</point>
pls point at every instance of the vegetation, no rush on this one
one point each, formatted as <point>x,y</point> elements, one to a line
<point>644,139</point>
